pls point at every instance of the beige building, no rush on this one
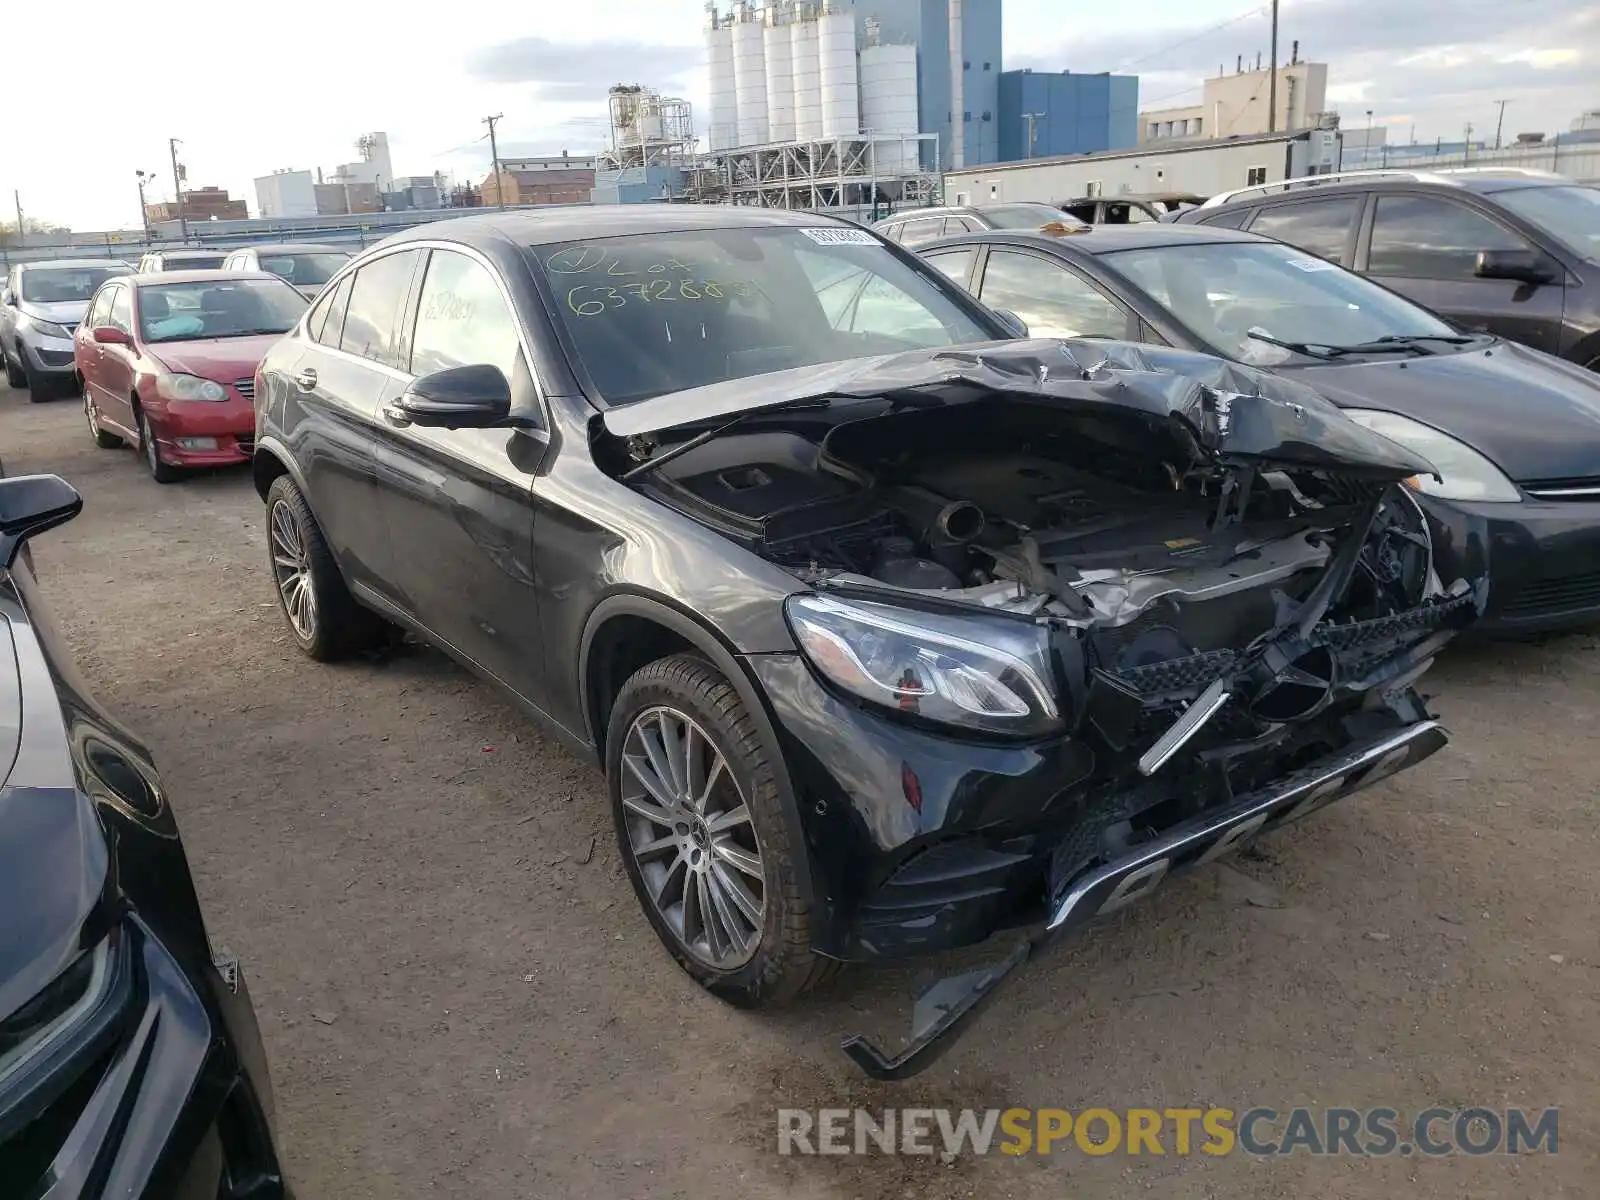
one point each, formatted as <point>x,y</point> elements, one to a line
<point>1236,105</point>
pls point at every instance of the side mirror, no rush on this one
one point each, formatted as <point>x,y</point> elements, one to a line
<point>31,504</point>
<point>110,335</point>
<point>1014,323</point>
<point>472,397</point>
<point>1523,266</point>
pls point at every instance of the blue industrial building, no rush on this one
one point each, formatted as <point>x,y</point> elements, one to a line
<point>1066,113</point>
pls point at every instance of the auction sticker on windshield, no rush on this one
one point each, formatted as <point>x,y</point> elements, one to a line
<point>840,237</point>
<point>1313,264</point>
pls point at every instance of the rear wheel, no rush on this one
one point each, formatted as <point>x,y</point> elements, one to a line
<point>323,617</point>
<point>160,471</point>
<point>701,829</point>
<point>106,441</point>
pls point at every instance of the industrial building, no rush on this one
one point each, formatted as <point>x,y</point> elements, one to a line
<point>1045,113</point>
<point>651,153</point>
<point>1237,105</point>
<point>286,193</point>
<point>198,204</point>
<point>1205,167</point>
<point>544,180</point>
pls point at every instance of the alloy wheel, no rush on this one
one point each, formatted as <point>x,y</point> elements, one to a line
<point>88,412</point>
<point>152,453</point>
<point>692,839</point>
<point>291,569</point>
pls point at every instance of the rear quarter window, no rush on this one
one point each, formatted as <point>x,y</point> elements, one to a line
<point>1229,218</point>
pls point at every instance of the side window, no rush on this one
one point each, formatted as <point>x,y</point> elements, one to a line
<point>1230,218</point>
<point>372,319</point>
<point>120,314</point>
<point>890,231</point>
<point>1424,237</point>
<point>1320,226</point>
<point>961,225</point>
<point>100,310</point>
<point>914,233</point>
<point>955,263</point>
<point>326,323</point>
<point>1051,299</point>
<point>462,319</point>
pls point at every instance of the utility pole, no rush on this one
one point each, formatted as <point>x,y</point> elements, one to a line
<point>1272,85</point>
<point>494,154</point>
<point>1500,122</point>
<point>144,213</point>
<point>17,196</point>
<point>1466,145</point>
<point>177,188</point>
<point>1028,119</point>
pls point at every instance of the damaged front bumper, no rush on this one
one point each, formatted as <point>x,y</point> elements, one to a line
<point>949,1005</point>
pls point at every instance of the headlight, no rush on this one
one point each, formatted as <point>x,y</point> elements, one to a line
<point>1468,475</point>
<point>982,674</point>
<point>189,387</point>
<point>44,328</point>
<point>67,1017</point>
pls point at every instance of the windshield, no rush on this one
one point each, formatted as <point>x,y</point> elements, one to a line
<point>65,285</point>
<point>181,312</point>
<point>1025,216</point>
<point>191,262</point>
<point>1223,291</point>
<point>662,312</point>
<point>1570,214</point>
<point>305,270</point>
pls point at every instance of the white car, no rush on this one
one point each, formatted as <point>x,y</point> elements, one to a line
<point>40,305</point>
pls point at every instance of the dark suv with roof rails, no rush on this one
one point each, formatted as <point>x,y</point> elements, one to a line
<point>1503,250</point>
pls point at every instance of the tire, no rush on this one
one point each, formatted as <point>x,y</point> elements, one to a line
<point>150,451</point>
<point>40,389</point>
<point>740,818</point>
<point>14,374</point>
<point>334,626</point>
<point>106,441</point>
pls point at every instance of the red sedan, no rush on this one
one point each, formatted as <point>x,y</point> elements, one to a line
<point>168,363</point>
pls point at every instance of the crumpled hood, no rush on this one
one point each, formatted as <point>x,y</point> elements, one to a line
<point>1534,416</point>
<point>68,312</point>
<point>221,359</point>
<point>1221,408</point>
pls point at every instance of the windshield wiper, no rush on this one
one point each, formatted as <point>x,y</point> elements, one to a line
<point>700,439</point>
<point>1392,343</point>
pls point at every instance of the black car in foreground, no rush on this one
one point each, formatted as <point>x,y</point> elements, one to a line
<point>130,1061</point>
<point>1515,433</point>
<point>889,634</point>
<point>1507,251</point>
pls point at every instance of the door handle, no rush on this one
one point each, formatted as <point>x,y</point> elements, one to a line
<point>306,380</point>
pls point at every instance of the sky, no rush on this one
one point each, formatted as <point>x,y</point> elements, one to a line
<point>296,88</point>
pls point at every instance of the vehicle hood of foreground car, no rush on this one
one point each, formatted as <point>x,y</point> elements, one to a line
<point>53,854</point>
<point>222,359</point>
<point>1220,408</point>
<point>1534,416</point>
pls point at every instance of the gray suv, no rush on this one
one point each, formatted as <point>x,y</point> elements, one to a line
<point>40,306</point>
<point>1496,250</point>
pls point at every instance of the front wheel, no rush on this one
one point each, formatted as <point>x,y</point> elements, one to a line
<point>701,829</point>
<point>14,373</point>
<point>160,471</point>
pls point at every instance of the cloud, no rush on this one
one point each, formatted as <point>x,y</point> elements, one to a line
<point>1392,58</point>
<point>580,73</point>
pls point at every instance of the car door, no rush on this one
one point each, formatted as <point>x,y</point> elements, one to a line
<point>1051,298</point>
<point>1324,226</point>
<point>117,366</point>
<point>88,352</point>
<point>1426,248</point>
<point>458,501</point>
<point>347,369</point>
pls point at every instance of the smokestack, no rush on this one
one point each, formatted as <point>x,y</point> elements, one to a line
<point>1294,53</point>
<point>1258,60</point>
<point>1238,65</point>
<point>958,125</point>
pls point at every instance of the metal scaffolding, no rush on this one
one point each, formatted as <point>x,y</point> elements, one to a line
<point>833,173</point>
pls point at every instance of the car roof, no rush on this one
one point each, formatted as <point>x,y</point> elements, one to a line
<point>73,264</point>
<point>1105,239</point>
<point>1476,180</point>
<point>292,248</point>
<point>208,275</point>
<point>570,222</point>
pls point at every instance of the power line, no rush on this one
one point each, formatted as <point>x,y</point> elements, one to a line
<point>1134,62</point>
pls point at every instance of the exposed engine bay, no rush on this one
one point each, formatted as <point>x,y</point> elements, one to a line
<point>1009,505</point>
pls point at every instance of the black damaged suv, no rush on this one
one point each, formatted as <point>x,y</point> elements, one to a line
<point>888,634</point>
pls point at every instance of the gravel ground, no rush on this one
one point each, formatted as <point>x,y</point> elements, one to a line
<point>459,997</point>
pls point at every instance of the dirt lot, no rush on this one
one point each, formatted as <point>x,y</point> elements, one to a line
<point>459,998</point>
